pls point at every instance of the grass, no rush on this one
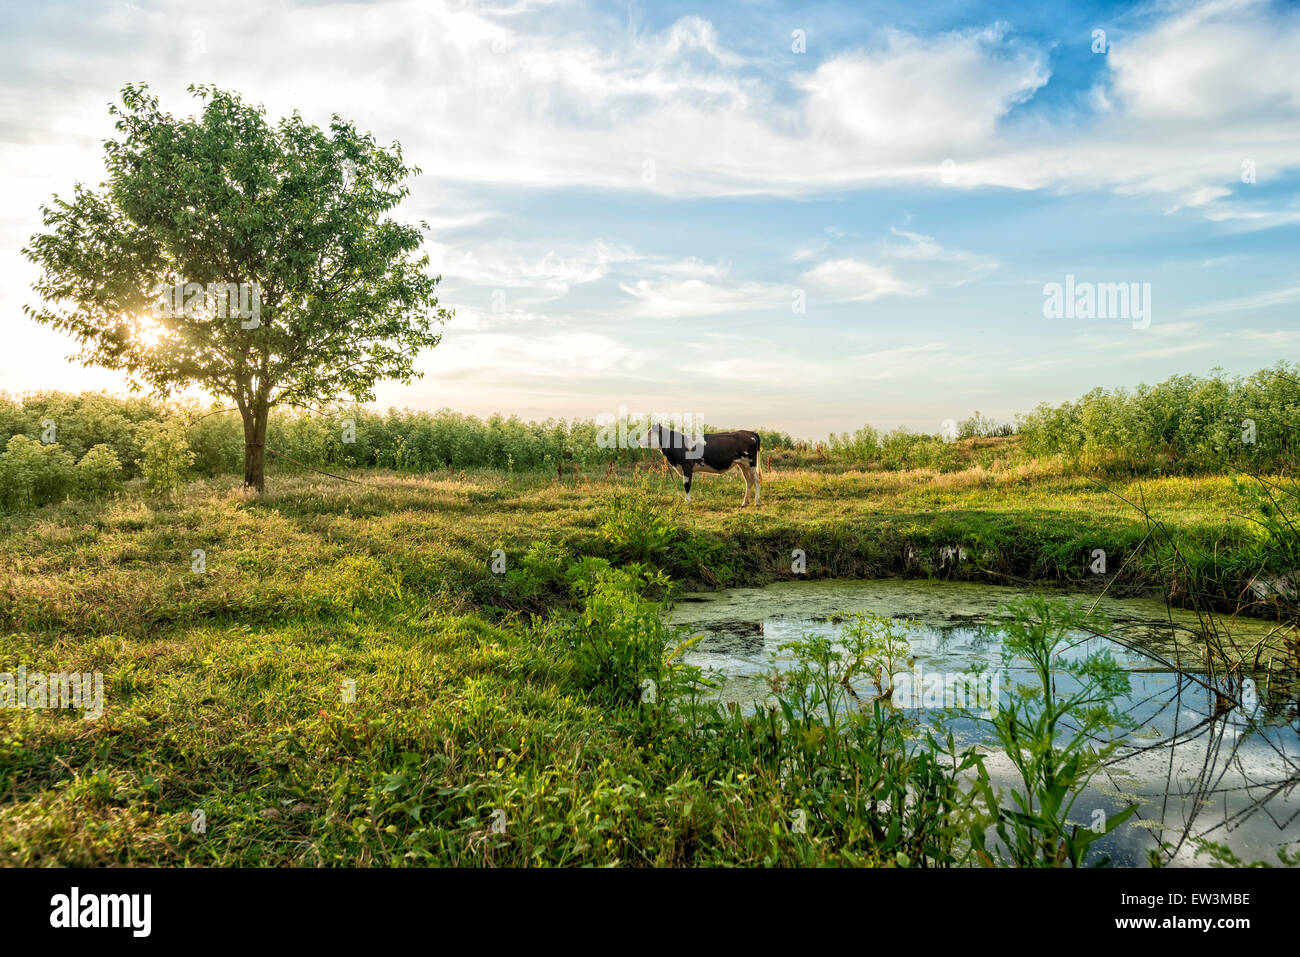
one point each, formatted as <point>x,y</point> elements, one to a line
<point>224,691</point>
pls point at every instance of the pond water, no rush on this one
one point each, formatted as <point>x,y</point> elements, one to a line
<point>1194,770</point>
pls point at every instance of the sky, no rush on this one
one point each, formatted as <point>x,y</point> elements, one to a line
<point>804,217</point>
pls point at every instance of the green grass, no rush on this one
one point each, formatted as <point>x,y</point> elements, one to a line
<point>224,691</point>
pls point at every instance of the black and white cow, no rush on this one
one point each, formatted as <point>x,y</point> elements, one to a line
<point>711,452</point>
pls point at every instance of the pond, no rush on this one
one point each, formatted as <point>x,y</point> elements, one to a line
<point>1195,768</point>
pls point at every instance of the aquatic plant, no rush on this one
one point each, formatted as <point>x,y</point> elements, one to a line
<point>1047,730</point>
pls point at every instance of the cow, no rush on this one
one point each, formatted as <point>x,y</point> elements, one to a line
<point>712,452</point>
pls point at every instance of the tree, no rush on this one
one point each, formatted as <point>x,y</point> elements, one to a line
<point>252,260</point>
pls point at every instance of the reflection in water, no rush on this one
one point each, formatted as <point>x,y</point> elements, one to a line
<point>1196,767</point>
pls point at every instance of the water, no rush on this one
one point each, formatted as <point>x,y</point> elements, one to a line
<point>1194,767</point>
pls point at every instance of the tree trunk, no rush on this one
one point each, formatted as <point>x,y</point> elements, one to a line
<point>255,448</point>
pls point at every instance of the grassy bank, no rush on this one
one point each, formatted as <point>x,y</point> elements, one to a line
<point>224,702</point>
<point>124,566</point>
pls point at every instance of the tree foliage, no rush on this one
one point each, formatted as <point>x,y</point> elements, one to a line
<point>294,212</point>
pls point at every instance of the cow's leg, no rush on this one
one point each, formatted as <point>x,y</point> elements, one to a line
<point>749,478</point>
<point>758,487</point>
<point>687,469</point>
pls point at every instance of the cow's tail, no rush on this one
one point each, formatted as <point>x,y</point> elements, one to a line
<point>753,450</point>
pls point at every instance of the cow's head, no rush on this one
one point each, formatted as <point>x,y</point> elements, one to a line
<point>653,438</point>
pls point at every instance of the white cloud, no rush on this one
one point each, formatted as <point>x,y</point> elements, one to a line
<point>947,266</point>
<point>777,370</point>
<point>493,357</point>
<point>1276,338</point>
<point>907,362</point>
<point>908,268</point>
<point>1165,352</point>
<point>920,97</point>
<point>856,280</point>
<point>1259,300</point>
<point>1208,63</point>
<point>473,318</point>
<point>553,272</point>
<point>912,267</point>
<point>482,97</point>
<point>691,268</point>
<point>678,298</point>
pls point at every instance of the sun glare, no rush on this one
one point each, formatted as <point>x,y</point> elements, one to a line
<point>148,331</point>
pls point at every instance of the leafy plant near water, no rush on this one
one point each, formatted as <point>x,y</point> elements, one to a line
<point>879,643</point>
<point>1220,855</point>
<point>823,772</point>
<point>872,789</point>
<point>619,637</point>
<point>542,573</point>
<point>1046,731</point>
<point>640,525</point>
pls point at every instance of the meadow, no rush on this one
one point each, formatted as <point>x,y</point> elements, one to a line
<point>495,629</point>
<point>430,641</point>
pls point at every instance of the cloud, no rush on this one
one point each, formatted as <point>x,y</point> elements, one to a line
<point>1259,300</point>
<point>776,370</point>
<point>907,362</point>
<point>947,266</point>
<point>920,96</point>
<point>691,268</point>
<point>472,318</point>
<point>1165,352</point>
<point>1213,62</point>
<point>858,281</point>
<point>912,267</point>
<point>678,298</point>
<point>493,96</point>
<point>553,272</point>
<point>1276,338</point>
<point>495,357</point>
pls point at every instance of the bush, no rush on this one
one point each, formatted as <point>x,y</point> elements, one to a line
<point>99,472</point>
<point>167,456</point>
<point>638,525</point>
<point>1185,424</point>
<point>619,638</point>
<point>904,449</point>
<point>862,448</point>
<point>33,474</point>
<point>83,420</point>
<point>542,572</point>
<point>980,426</point>
<point>217,441</point>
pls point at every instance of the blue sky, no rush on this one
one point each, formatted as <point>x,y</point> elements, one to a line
<point>628,200</point>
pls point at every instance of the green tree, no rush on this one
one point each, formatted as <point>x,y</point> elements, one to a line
<point>333,296</point>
